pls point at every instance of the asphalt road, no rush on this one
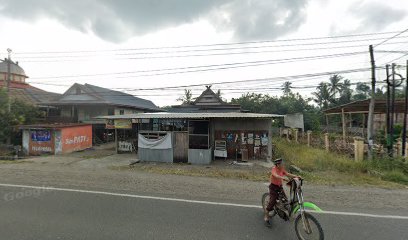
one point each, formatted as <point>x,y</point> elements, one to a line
<point>37,214</point>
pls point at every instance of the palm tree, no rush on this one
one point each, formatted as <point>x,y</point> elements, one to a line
<point>335,85</point>
<point>346,93</point>
<point>287,88</point>
<point>187,98</point>
<point>323,97</point>
<point>363,91</point>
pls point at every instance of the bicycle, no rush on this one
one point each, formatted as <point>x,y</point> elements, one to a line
<point>286,210</point>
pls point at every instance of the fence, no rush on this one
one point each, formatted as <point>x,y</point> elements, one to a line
<point>352,146</point>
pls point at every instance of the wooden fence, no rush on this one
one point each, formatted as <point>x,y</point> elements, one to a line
<point>352,146</point>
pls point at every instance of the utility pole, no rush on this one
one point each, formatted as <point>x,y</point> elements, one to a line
<point>392,108</point>
<point>370,121</point>
<point>8,78</point>
<point>404,129</point>
<point>387,67</point>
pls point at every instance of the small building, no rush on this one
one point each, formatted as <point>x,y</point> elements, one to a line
<point>198,138</point>
<point>56,138</point>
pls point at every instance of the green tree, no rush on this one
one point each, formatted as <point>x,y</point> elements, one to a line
<point>290,103</point>
<point>287,88</point>
<point>187,98</point>
<point>323,97</point>
<point>362,91</point>
<point>335,85</point>
<point>346,93</point>
<point>21,113</point>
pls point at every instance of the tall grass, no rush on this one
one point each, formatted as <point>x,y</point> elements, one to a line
<point>314,160</point>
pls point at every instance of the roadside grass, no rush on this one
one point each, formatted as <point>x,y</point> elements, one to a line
<point>325,167</point>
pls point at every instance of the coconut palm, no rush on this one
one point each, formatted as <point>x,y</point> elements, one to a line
<point>287,88</point>
<point>323,97</point>
<point>335,85</point>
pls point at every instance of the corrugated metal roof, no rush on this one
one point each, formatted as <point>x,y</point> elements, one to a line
<point>53,125</point>
<point>32,95</point>
<point>191,115</point>
<point>104,96</point>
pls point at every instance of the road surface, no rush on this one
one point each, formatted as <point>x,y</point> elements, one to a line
<point>34,213</point>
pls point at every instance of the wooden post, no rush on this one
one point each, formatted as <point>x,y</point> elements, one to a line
<point>296,135</point>
<point>399,147</point>
<point>280,132</point>
<point>326,142</point>
<point>363,125</point>
<point>309,133</point>
<point>406,151</point>
<point>270,143</point>
<point>358,148</point>
<point>343,120</point>
<point>116,140</point>
<point>287,134</point>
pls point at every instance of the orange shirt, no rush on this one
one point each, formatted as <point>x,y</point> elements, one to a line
<point>280,172</point>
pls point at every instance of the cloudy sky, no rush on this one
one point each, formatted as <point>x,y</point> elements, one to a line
<point>156,48</point>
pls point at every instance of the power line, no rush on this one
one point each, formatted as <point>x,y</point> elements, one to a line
<point>212,67</point>
<point>229,91</point>
<point>229,49</point>
<point>272,79</point>
<point>386,40</point>
<point>209,45</point>
<point>78,57</point>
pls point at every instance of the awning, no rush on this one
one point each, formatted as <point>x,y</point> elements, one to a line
<point>170,115</point>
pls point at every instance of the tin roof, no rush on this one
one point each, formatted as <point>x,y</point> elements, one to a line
<point>91,95</point>
<point>52,125</point>
<point>191,115</point>
<point>362,106</point>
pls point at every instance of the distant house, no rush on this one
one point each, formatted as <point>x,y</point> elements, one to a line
<point>81,103</point>
<point>208,101</point>
<point>21,90</point>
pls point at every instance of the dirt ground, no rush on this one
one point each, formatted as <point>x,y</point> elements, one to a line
<point>101,169</point>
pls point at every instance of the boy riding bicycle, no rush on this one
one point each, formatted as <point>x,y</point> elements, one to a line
<point>278,173</point>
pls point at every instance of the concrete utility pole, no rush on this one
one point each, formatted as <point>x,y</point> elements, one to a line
<point>404,129</point>
<point>370,122</point>
<point>8,78</point>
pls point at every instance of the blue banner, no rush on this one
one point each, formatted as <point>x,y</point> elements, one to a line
<point>41,136</point>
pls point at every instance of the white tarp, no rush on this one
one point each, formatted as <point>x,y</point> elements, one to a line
<point>161,143</point>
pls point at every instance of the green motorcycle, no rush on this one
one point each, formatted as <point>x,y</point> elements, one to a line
<point>306,225</point>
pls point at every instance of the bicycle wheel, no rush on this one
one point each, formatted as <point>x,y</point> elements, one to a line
<point>313,231</point>
<point>265,202</point>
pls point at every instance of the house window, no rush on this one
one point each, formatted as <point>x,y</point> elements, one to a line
<point>111,111</point>
<point>121,112</point>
